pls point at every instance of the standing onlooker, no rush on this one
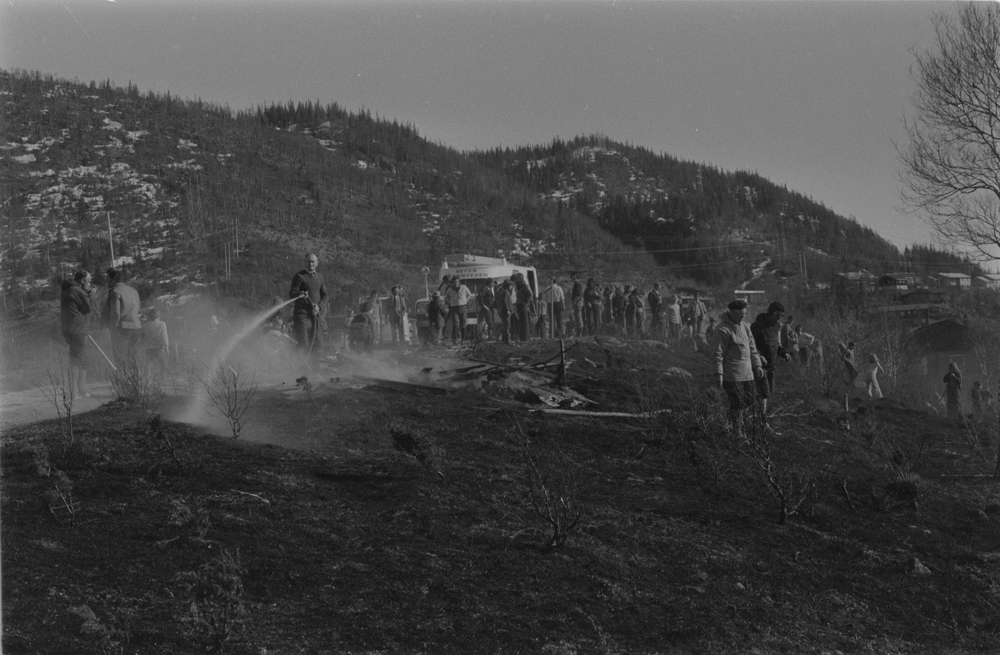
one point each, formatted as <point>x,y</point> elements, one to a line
<point>77,314</point>
<point>699,316</point>
<point>785,334</point>
<point>594,307</point>
<point>618,310</point>
<point>805,343</point>
<point>522,302</point>
<point>872,367</point>
<point>977,399</point>
<point>638,313</point>
<point>397,313</point>
<point>157,342</point>
<point>765,332</point>
<point>850,362</point>
<point>629,312</point>
<point>122,315</point>
<point>505,308</point>
<point>576,297</point>
<point>608,319</point>
<point>486,299</point>
<point>457,298</point>
<point>655,302</point>
<point>953,391</point>
<point>436,312</point>
<point>554,297</point>
<point>674,317</point>
<point>376,316</point>
<point>737,362</point>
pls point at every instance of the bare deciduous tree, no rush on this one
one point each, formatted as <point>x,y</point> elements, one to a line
<point>951,166</point>
<point>231,392</point>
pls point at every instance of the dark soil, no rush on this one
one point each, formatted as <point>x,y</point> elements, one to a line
<point>404,522</point>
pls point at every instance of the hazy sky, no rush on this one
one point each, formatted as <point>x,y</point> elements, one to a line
<point>809,94</point>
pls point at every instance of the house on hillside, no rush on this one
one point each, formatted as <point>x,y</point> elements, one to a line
<point>855,281</point>
<point>900,281</point>
<point>940,343</point>
<point>988,281</point>
<point>954,280</point>
<point>922,297</point>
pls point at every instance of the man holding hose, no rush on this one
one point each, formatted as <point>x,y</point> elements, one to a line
<point>309,292</point>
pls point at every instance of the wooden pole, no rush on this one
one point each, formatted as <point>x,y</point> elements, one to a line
<point>111,243</point>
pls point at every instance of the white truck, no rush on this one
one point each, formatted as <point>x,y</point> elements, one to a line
<point>475,271</point>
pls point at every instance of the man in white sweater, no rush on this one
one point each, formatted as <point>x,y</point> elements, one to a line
<point>737,362</point>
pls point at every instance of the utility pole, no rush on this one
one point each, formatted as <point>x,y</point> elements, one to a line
<point>111,243</point>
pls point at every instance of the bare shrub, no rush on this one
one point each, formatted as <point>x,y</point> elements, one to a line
<point>214,596</point>
<point>58,390</point>
<point>231,391</point>
<point>416,444</point>
<point>59,498</point>
<point>160,442</point>
<point>551,484</point>
<point>133,384</point>
<point>790,486</point>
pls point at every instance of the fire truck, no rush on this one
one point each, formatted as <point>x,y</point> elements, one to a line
<point>475,271</point>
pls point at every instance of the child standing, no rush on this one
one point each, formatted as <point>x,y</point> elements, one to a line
<point>953,391</point>
<point>154,333</point>
<point>871,376</point>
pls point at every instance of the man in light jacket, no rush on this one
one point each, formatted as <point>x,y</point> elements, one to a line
<point>121,312</point>
<point>737,362</point>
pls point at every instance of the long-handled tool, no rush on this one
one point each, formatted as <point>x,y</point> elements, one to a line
<point>112,364</point>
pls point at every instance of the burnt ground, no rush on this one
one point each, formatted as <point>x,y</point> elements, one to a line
<point>400,521</point>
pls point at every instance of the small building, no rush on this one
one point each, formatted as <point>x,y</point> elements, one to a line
<point>855,281</point>
<point>941,343</point>
<point>954,280</point>
<point>912,315</point>
<point>922,297</point>
<point>988,281</point>
<point>900,281</point>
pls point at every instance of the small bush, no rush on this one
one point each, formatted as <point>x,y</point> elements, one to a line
<point>214,597</point>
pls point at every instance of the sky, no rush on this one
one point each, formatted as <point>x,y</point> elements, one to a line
<point>809,94</point>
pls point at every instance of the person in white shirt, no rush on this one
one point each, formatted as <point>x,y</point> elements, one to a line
<point>555,297</point>
<point>457,298</point>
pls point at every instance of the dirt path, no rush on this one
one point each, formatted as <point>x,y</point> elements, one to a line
<point>31,405</point>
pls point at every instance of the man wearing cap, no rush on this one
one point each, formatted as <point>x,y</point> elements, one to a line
<point>766,330</point>
<point>737,362</point>
<point>309,291</point>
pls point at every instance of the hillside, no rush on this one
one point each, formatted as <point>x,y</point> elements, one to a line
<point>198,195</point>
<point>368,519</point>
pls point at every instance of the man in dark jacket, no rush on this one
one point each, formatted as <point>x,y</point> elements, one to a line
<point>122,316</point>
<point>522,301</point>
<point>505,307</point>
<point>436,311</point>
<point>77,311</point>
<point>765,330</point>
<point>576,299</point>
<point>309,290</point>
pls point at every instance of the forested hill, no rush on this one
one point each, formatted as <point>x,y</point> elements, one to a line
<point>700,218</point>
<point>197,194</point>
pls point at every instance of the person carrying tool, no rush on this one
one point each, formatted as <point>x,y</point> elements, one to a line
<point>77,311</point>
<point>309,291</point>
